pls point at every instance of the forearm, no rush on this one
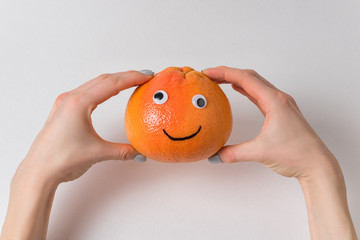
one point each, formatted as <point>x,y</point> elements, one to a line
<point>326,202</point>
<point>30,202</point>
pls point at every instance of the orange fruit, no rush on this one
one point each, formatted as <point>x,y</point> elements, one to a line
<point>180,115</point>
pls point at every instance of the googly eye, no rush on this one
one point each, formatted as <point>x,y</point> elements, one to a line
<point>199,101</point>
<point>160,97</point>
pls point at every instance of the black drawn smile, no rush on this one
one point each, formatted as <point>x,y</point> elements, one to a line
<point>183,138</point>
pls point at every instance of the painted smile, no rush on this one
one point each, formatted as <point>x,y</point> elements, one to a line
<point>183,138</point>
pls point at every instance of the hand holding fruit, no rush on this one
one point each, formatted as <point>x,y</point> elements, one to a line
<point>287,144</point>
<point>68,145</point>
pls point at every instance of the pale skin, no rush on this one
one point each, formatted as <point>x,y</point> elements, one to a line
<point>68,146</point>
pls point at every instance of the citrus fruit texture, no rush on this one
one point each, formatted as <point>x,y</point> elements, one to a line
<point>180,115</point>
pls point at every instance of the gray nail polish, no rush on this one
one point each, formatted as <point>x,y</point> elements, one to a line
<point>147,72</point>
<point>215,159</point>
<point>139,158</point>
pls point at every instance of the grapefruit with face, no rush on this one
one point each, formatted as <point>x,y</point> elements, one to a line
<point>180,115</point>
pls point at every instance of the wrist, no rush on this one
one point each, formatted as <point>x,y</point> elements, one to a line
<point>325,196</point>
<point>31,197</point>
<point>323,168</point>
<point>28,173</point>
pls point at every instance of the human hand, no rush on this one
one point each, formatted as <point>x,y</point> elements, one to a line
<point>286,144</point>
<point>68,145</point>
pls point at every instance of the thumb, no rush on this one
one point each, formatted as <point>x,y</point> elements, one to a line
<point>243,152</point>
<point>116,151</point>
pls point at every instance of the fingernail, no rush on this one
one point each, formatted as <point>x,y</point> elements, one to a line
<point>139,158</point>
<point>215,159</point>
<point>147,72</point>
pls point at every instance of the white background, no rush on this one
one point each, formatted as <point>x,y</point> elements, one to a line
<point>309,49</point>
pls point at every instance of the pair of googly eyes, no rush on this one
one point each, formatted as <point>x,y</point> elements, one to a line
<point>199,101</point>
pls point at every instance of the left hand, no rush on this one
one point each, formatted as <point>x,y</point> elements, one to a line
<point>68,145</point>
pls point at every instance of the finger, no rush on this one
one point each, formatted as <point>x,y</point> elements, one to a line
<point>105,86</point>
<point>239,89</point>
<point>264,80</point>
<point>92,82</point>
<point>243,152</point>
<point>100,78</point>
<point>115,151</point>
<point>256,87</point>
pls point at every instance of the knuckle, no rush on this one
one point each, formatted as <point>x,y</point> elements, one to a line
<point>61,98</point>
<point>127,75</point>
<point>227,155</point>
<point>223,67</point>
<point>250,72</point>
<point>70,99</point>
<point>109,79</point>
<point>291,98</point>
<point>75,98</point>
<point>131,71</point>
<point>126,153</point>
<point>80,101</point>
<point>104,76</point>
<point>284,98</point>
<point>113,82</point>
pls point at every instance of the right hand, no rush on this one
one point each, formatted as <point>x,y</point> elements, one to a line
<point>286,144</point>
